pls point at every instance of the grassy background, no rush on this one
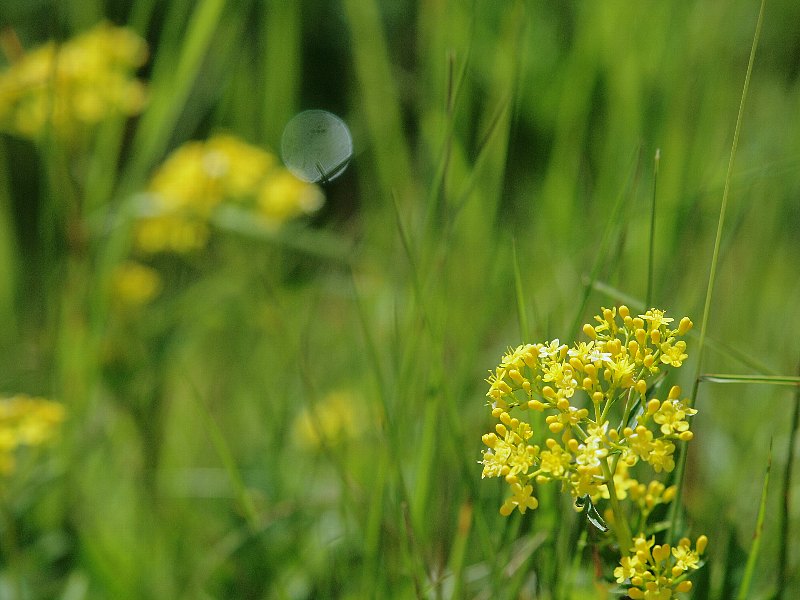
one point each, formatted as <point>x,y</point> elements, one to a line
<point>489,137</point>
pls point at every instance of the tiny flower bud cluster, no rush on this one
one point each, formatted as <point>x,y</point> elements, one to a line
<point>659,571</point>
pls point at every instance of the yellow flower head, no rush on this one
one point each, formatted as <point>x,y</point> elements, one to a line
<point>75,85</point>
<point>199,177</point>
<point>25,421</point>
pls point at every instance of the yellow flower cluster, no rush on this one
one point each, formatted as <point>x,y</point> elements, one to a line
<point>657,572</point>
<point>74,85</point>
<point>335,420</point>
<point>611,370</point>
<point>25,421</point>
<point>200,176</point>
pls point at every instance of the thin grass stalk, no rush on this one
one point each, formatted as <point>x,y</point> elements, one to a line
<point>605,241</point>
<point>522,312</point>
<point>648,302</point>
<point>157,123</point>
<point>762,379</point>
<point>785,524</point>
<point>755,548</point>
<point>681,466</point>
<point>225,454</point>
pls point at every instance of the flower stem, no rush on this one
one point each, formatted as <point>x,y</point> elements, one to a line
<point>621,527</point>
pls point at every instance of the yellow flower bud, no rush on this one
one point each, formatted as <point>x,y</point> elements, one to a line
<point>641,387</point>
<point>589,331</point>
<point>702,541</point>
<point>674,393</point>
<point>661,553</point>
<point>655,336</point>
<point>535,405</point>
<point>516,377</point>
<point>684,586</point>
<point>652,406</point>
<point>685,325</point>
<point>686,436</point>
<point>623,311</point>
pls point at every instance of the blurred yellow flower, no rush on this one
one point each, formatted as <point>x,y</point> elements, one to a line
<point>73,85</point>
<point>284,197</point>
<point>134,284</point>
<point>200,176</point>
<point>25,421</point>
<point>334,420</point>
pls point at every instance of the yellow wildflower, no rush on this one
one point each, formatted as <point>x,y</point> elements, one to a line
<point>334,420</point>
<point>198,177</point>
<point>25,421</point>
<point>74,85</point>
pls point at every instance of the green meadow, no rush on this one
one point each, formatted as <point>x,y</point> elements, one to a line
<point>290,405</point>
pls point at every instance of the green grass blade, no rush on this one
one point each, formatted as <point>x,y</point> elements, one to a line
<point>681,466</point>
<point>612,227</point>
<point>522,304</point>
<point>170,96</point>
<point>225,454</point>
<point>785,525</point>
<point>379,96</point>
<point>763,379</point>
<point>651,255</point>
<point>726,191</point>
<point>755,548</point>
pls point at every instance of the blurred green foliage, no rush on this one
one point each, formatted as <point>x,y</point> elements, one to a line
<point>489,137</point>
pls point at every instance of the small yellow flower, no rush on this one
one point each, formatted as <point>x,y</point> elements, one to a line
<point>674,355</point>
<point>522,500</point>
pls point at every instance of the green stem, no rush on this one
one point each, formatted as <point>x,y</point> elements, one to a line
<point>621,527</point>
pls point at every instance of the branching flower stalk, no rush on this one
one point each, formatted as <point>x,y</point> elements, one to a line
<point>613,374</point>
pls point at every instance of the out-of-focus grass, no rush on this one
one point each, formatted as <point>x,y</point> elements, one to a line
<point>489,139</point>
